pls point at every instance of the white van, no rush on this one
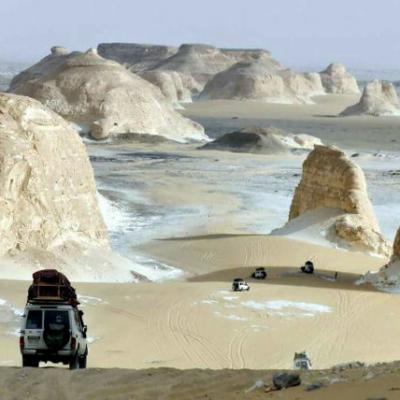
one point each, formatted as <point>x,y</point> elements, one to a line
<point>55,333</point>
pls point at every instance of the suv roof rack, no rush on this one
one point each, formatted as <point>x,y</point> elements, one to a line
<point>51,301</point>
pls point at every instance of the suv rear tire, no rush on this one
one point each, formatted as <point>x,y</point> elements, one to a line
<point>83,361</point>
<point>74,362</point>
<point>29,361</point>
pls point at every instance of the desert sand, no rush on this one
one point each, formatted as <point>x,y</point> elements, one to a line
<point>200,323</point>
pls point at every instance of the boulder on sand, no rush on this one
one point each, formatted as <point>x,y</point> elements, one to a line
<point>379,98</point>
<point>263,141</point>
<point>103,98</point>
<point>333,187</point>
<point>336,79</point>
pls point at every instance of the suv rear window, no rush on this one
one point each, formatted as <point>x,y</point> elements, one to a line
<point>34,319</point>
<point>56,320</point>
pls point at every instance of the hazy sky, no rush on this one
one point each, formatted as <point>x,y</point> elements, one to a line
<point>361,33</point>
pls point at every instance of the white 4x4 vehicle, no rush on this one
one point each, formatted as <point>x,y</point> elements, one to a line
<point>239,285</point>
<point>53,333</point>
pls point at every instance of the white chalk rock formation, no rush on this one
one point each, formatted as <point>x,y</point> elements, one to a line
<point>199,61</point>
<point>263,141</point>
<point>47,188</point>
<point>103,98</point>
<point>196,64</point>
<point>171,85</point>
<point>379,98</point>
<point>331,181</point>
<point>336,79</point>
<point>389,275</point>
<point>49,211</point>
<point>262,79</point>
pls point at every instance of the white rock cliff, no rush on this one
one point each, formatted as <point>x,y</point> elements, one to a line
<point>103,98</point>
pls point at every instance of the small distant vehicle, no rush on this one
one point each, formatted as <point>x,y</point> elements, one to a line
<point>240,285</point>
<point>52,325</point>
<point>301,361</point>
<point>259,273</point>
<point>308,267</point>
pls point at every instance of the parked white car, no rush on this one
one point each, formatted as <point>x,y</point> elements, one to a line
<point>55,333</point>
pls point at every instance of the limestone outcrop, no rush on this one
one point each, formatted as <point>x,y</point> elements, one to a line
<point>261,78</point>
<point>263,141</point>
<point>171,85</point>
<point>336,79</point>
<point>379,98</point>
<point>389,275</point>
<point>199,61</point>
<point>330,180</point>
<point>195,64</point>
<point>103,98</point>
<point>47,189</point>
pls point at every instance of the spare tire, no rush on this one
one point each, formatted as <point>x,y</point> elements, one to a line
<point>56,339</point>
<point>56,333</point>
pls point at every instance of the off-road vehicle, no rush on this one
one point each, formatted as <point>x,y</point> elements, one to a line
<point>53,332</point>
<point>301,361</point>
<point>239,285</point>
<point>52,325</point>
<point>259,273</point>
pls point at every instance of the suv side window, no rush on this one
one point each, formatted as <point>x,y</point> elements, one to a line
<point>34,319</point>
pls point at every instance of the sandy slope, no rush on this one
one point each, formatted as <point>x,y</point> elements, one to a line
<point>203,254</point>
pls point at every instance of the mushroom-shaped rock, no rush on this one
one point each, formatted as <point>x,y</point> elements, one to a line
<point>263,141</point>
<point>379,98</point>
<point>103,97</point>
<point>334,188</point>
<point>47,189</point>
<point>336,79</point>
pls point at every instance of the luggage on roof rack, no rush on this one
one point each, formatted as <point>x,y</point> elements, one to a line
<point>49,285</point>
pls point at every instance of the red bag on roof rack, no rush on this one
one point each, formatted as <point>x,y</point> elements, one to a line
<point>49,285</point>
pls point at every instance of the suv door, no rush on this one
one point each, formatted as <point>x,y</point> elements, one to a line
<point>33,327</point>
